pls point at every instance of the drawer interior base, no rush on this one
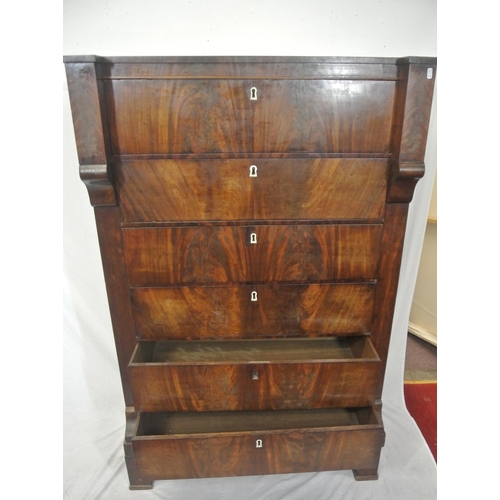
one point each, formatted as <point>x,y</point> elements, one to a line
<point>248,351</point>
<point>189,423</point>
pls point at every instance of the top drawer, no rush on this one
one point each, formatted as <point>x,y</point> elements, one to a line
<point>219,116</point>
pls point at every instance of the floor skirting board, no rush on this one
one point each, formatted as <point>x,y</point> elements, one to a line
<point>422,333</point>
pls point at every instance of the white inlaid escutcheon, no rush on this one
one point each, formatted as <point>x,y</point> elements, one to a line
<point>429,73</point>
<point>253,171</point>
<point>258,443</point>
<point>254,297</point>
<point>253,238</point>
<point>253,94</point>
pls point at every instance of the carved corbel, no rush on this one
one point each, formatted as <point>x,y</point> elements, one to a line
<point>97,178</point>
<point>403,177</point>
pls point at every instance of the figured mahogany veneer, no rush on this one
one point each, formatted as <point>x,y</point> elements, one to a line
<point>253,375</point>
<point>225,254</point>
<point>251,216</point>
<point>216,115</point>
<point>183,445</point>
<point>221,190</point>
<point>281,310</point>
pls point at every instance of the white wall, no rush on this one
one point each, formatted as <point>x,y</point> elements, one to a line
<point>258,27</point>
<point>423,314</point>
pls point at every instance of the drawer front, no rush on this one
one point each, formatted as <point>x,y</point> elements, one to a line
<point>225,254</point>
<point>206,190</point>
<point>248,311</point>
<point>254,375</point>
<point>257,452</point>
<point>280,386</point>
<point>218,116</point>
<point>281,453</point>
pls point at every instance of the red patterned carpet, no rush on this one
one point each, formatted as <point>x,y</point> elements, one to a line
<point>421,401</point>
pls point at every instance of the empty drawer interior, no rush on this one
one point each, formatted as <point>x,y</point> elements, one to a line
<point>188,423</point>
<point>249,351</point>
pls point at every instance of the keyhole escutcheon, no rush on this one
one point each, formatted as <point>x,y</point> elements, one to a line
<point>254,297</point>
<point>258,443</point>
<point>253,171</point>
<point>253,94</point>
<point>253,238</point>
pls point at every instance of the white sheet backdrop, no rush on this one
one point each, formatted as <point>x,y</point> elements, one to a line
<point>94,420</point>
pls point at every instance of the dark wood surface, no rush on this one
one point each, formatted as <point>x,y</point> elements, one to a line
<point>110,243</point>
<point>137,481</point>
<point>281,310</point>
<point>222,190</point>
<point>412,111</point>
<point>230,386</point>
<point>254,351</point>
<point>284,453</point>
<point>213,116</point>
<point>253,375</point>
<point>179,424</point>
<point>88,113</point>
<point>165,146</point>
<point>335,443</point>
<point>235,68</point>
<point>224,254</point>
<point>387,285</point>
<point>410,137</point>
<point>90,122</point>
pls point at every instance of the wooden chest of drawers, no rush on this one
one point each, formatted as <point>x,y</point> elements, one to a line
<point>251,216</point>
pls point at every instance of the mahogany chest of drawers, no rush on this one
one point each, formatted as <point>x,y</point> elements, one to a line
<point>251,216</point>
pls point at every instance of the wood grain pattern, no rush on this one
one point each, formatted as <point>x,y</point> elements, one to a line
<point>365,68</point>
<point>215,190</point>
<point>245,67</point>
<point>111,246</point>
<point>403,177</point>
<point>137,482</point>
<point>251,351</point>
<point>417,110</point>
<point>216,377</point>
<point>341,70</point>
<point>230,387</point>
<point>339,144</point>
<point>182,424</point>
<point>90,122</point>
<point>414,92</point>
<point>224,254</point>
<point>228,311</point>
<point>86,108</point>
<point>335,445</point>
<point>214,116</point>
<point>387,285</point>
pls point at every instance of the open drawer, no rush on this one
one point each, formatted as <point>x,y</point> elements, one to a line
<point>212,444</point>
<point>254,374</point>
